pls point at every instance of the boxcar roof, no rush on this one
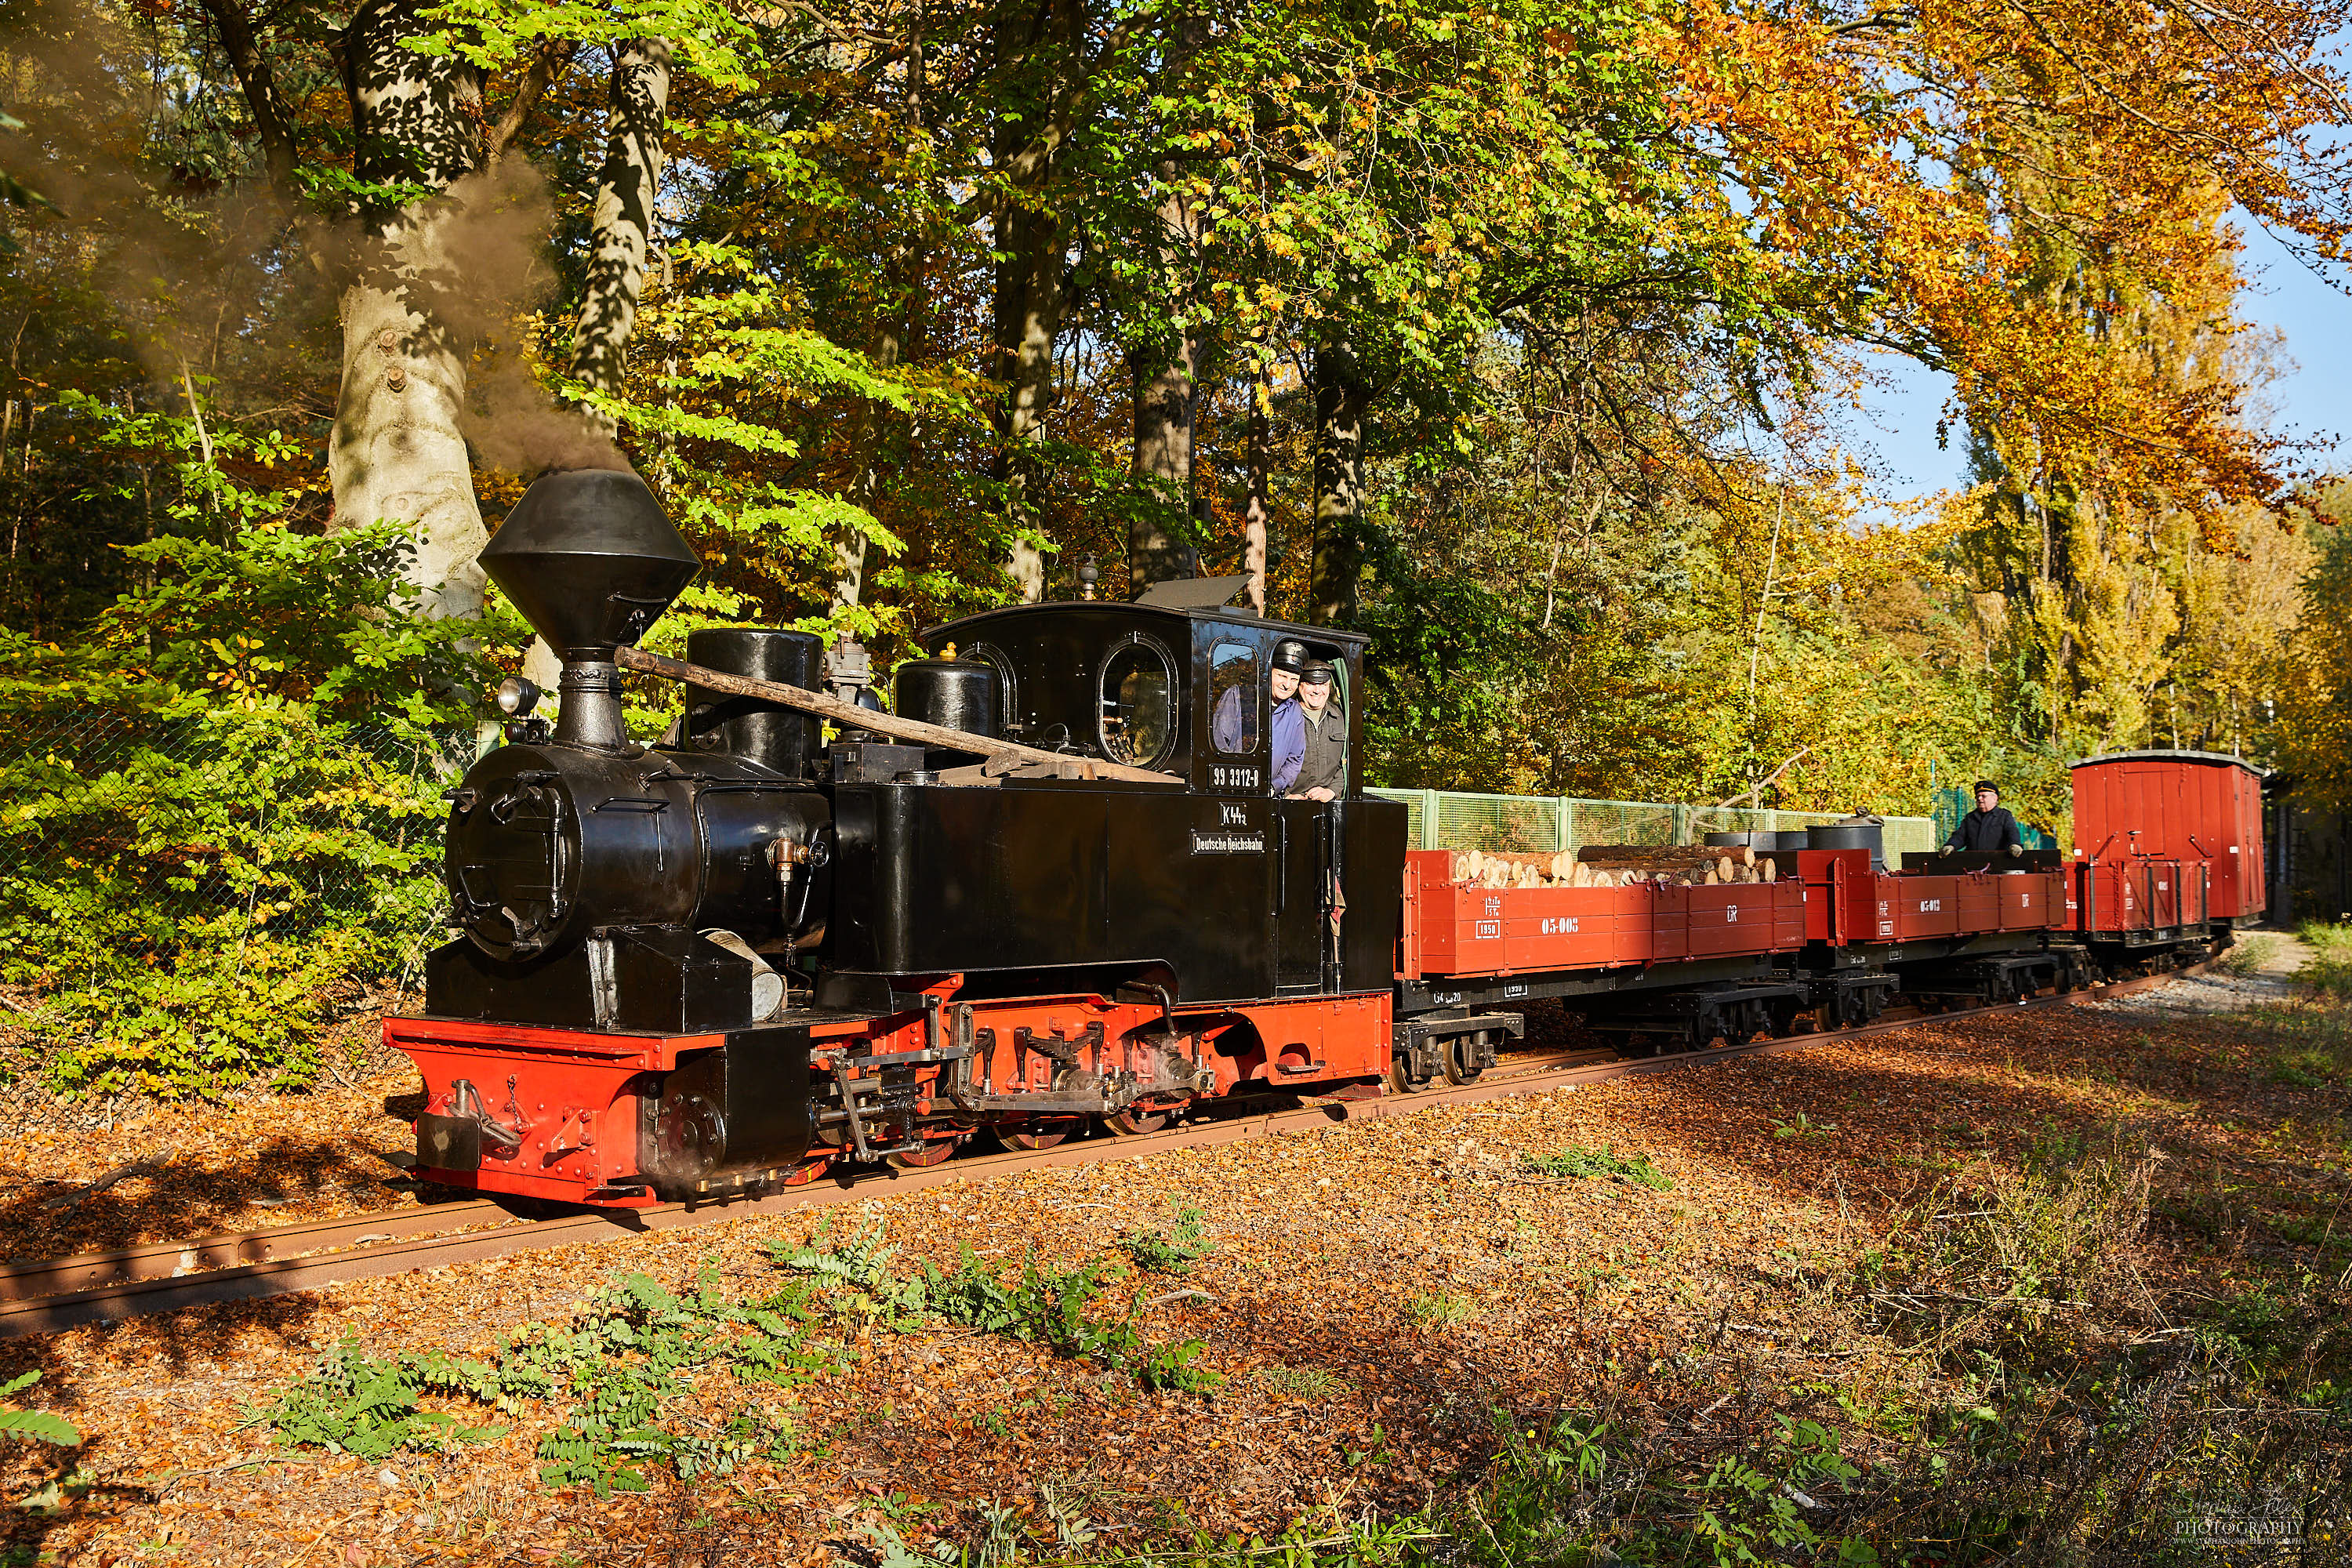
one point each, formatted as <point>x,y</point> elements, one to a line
<point>2215,757</point>
<point>1098,606</point>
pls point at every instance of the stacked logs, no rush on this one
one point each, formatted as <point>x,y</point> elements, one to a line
<point>1614,865</point>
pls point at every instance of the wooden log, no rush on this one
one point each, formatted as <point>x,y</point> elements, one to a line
<point>850,716</point>
<point>1663,854</point>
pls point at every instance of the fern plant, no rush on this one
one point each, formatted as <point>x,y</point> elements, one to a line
<point>40,1425</point>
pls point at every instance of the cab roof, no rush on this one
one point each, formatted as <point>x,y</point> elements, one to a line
<point>2219,759</point>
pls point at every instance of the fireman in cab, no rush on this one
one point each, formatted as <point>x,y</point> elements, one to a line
<point>1323,762</point>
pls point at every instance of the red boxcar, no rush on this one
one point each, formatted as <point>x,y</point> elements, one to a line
<point>2174,808</point>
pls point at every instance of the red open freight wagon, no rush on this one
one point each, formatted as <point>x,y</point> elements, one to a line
<point>1452,928</point>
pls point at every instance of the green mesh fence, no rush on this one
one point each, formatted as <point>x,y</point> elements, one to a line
<point>1449,819</point>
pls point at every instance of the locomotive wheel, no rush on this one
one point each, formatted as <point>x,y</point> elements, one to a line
<point>807,1171</point>
<point>931,1154</point>
<point>1135,1123</point>
<point>1038,1131</point>
<point>1401,1079</point>
<point>1462,1059</point>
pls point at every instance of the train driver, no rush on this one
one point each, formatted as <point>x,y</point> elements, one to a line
<point>1990,827</point>
<point>1323,769</point>
<point>1288,728</point>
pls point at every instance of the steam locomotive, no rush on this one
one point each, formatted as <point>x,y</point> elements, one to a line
<point>729,960</point>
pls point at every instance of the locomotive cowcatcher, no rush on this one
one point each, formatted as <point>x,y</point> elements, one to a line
<point>725,960</point>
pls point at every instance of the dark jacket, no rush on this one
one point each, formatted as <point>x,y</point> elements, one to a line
<point>1994,831</point>
<point>1325,762</point>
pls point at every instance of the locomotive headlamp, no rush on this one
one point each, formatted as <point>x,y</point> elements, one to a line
<point>518,697</point>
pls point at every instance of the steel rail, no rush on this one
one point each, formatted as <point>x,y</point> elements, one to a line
<point>134,1282</point>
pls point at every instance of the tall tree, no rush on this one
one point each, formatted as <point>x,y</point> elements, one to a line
<point>399,447</point>
<point>621,235</point>
<point>1039,81</point>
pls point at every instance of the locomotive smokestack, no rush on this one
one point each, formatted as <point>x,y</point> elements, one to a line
<point>590,561</point>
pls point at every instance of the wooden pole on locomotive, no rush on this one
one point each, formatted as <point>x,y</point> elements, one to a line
<point>849,715</point>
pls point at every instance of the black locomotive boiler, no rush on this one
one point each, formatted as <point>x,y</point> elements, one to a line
<point>729,958</point>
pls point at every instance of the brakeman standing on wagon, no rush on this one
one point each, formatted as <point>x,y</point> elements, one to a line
<point>1990,828</point>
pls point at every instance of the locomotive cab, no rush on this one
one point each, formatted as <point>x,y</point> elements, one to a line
<point>1208,886</point>
<point>1140,684</point>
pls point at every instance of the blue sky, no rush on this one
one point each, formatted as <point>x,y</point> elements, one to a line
<point>2314,401</point>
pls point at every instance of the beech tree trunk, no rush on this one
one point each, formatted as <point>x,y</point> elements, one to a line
<point>866,488</point>
<point>1040,73</point>
<point>1164,461</point>
<point>1167,365</point>
<point>1256,512</point>
<point>1342,396</point>
<point>397,451</point>
<point>623,235</point>
<point>893,335</point>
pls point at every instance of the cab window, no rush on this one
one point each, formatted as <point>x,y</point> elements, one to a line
<point>1234,698</point>
<point>1138,715</point>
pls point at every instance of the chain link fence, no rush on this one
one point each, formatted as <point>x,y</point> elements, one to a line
<point>1450,819</point>
<point>301,824</point>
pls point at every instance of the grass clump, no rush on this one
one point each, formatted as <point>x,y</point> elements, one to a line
<point>1297,1382</point>
<point>1575,1161</point>
<point>2328,970</point>
<point>1439,1308</point>
<point>2248,954</point>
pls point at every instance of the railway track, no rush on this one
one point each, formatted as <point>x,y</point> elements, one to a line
<point>54,1294</point>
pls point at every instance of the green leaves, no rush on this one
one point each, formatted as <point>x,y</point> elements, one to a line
<point>705,39</point>
<point>37,1424</point>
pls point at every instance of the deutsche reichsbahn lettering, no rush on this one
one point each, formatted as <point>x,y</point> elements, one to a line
<point>1206,843</point>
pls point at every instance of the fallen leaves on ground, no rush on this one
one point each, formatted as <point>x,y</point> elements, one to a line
<point>1380,1295</point>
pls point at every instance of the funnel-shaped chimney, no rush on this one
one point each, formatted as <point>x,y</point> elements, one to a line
<point>590,561</point>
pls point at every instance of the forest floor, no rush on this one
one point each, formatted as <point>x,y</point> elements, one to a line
<point>2021,1277</point>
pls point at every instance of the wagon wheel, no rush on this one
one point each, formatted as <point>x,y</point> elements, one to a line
<point>1037,1132</point>
<point>1401,1077</point>
<point>931,1154</point>
<point>1461,1052</point>
<point>1135,1123</point>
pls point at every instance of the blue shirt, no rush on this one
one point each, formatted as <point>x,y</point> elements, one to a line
<point>1230,727</point>
<point>1289,744</point>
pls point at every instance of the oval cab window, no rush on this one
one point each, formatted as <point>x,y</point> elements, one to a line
<point>1139,703</point>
